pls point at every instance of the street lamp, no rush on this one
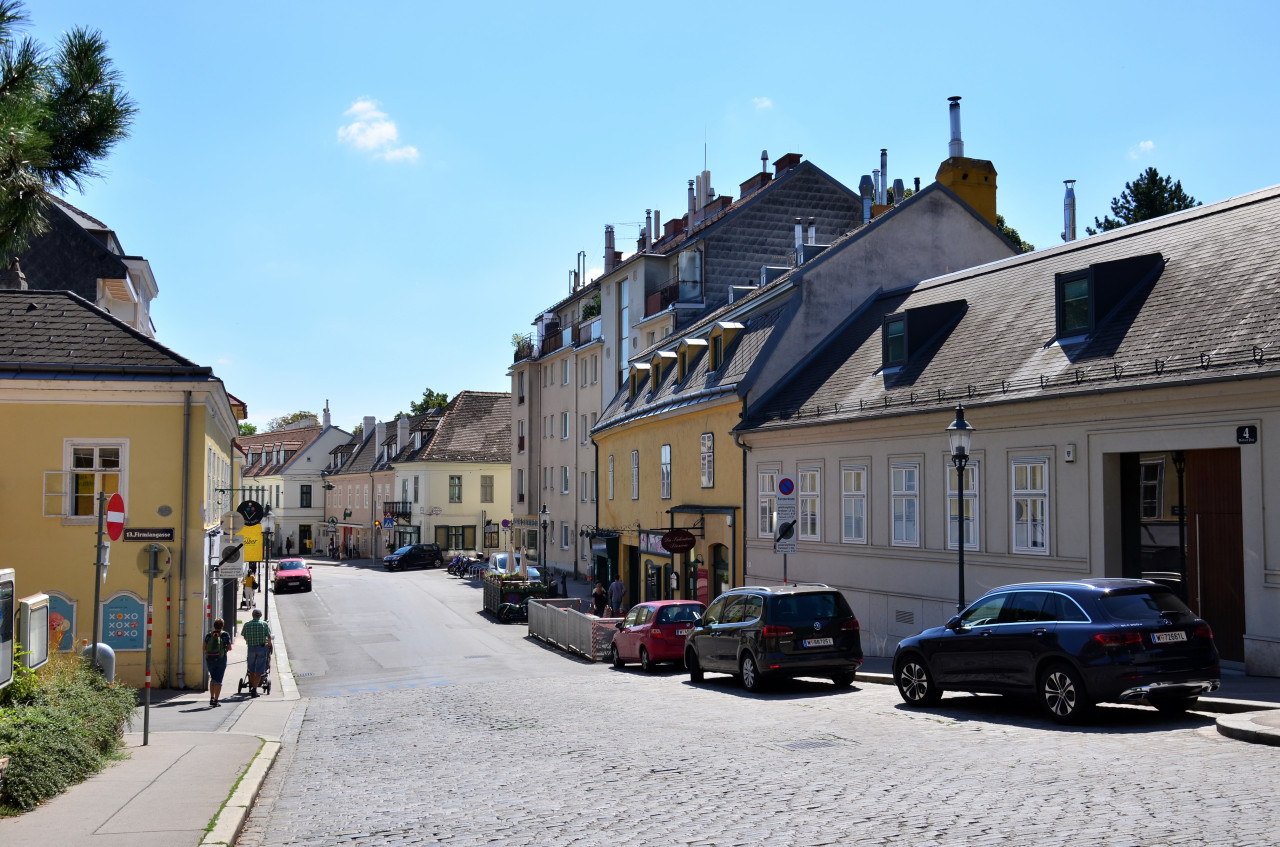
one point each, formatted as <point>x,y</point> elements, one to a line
<point>960,434</point>
<point>268,526</point>
<point>542,561</point>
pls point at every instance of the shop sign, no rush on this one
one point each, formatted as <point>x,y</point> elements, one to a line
<point>679,541</point>
<point>651,542</point>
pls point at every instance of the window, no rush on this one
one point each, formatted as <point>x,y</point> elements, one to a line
<point>304,497</point>
<point>649,338</point>
<point>519,436</point>
<point>564,536</point>
<point>895,340</point>
<point>665,471</point>
<point>970,513</point>
<point>564,480</point>
<point>593,486</point>
<point>635,474</point>
<point>455,489</point>
<point>564,425</point>
<point>519,485</point>
<point>1075,315</point>
<point>717,353</point>
<point>809,503</point>
<point>708,460</point>
<point>582,428</point>
<point>768,502</point>
<point>564,371</point>
<point>1152,489</point>
<point>595,369</point>
<point>584,377</point>
<point>486,488</point>
<point>93,468</point>
<point>610,476</point>
<point>1031,506</point>
<point>520,387</point>
<point>415,489</point>
<point>366,496</point>
<point>853,504</point>
<point>582,486</point>
<point>593,424</point>
<point>905,481</point>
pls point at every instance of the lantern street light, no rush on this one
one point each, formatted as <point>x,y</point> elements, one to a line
<point>960,434</point>
<point>542,560</point>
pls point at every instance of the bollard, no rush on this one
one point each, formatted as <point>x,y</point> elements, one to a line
<point>106,660</point>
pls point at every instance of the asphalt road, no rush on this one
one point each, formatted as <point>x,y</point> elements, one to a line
<point>426,723</point>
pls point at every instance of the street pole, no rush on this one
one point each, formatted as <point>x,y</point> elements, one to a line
<point>266,574</point>
<point>97,571</point>
<point>960,463</point>
<point>153,554</point>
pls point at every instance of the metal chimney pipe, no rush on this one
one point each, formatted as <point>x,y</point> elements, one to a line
<point>884,176</point>
<point>648,229</point>
<point>608,248</point>
<point>692,199</point>
<point>1069,211</point>
<point>764,161</point>
<point>956,147</point>
<point>799,232</point>
<point>813,232</point>
<point>917,185</point>
<point>657,224</point>
<point>875,191</point>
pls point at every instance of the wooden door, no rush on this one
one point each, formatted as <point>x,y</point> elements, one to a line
<point>1215,546</point>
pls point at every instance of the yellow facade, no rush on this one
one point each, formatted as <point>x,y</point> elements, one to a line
<point>69,440</point>
<point>713,514</point>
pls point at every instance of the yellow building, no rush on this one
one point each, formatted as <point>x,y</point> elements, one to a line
<point>90,406</point>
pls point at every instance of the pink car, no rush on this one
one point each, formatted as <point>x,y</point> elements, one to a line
<point>654,632</point>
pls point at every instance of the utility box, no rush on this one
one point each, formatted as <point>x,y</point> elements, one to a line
<point>7,585</point>
<point>33,629</point>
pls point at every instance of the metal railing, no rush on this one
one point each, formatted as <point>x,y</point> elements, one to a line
<point>558,621</point>
<point>397,508</point>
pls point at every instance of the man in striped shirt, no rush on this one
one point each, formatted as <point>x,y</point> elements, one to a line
<point>257,636</point>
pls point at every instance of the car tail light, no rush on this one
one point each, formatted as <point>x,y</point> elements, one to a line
<point>1119,639</point>
<point>850,625</point>
<point>1202,630</point>
<point>776,631</point>
<point>657,633</point>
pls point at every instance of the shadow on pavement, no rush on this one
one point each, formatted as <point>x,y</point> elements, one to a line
<point>1024,712</point>
<point>783,689</point>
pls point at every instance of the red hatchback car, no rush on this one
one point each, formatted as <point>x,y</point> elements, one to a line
<point>654,632</point>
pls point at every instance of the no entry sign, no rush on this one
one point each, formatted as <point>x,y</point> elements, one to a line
<point>115,517</point>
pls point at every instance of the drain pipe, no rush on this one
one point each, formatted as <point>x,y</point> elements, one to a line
<point>182,548</point>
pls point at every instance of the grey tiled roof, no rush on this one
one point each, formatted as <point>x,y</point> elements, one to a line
<point>1212,313</point>
<point>62,332</point>
<point>68,257</point>
<point>476,428</point>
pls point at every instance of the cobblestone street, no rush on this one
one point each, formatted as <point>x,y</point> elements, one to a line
<point>615,757</point>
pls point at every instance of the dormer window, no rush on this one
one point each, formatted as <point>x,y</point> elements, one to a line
<point>636,379</point>
<point>660,365</point>
<point>1075,315</point>
<point>686,352</point>
<point>1084,299</point>
<point>717,353</point>
<point>719,339</point>
<point>904,334</point>
<point>895,340</point>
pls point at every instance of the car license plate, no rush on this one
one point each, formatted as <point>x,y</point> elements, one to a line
<point>818,642</point>
<point>1168,637</point>
<point>683,631</point>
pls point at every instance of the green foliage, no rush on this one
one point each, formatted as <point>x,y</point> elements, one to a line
<point>25,685</point>
<point>247,428</point>
<point>592,308</point>
<point>430,400</point>
<point>61,112</point>
<point>276,424</point>
<point>1148,196</point>
<point>60,730</point>
<point>1012,234</point>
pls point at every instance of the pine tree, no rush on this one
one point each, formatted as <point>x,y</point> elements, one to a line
<point>1148,196</point>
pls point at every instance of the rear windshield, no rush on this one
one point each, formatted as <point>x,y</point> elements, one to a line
<point>678,614</point>
<point>403,550</point>
<point>806,608</point>
<point>1145,605</point>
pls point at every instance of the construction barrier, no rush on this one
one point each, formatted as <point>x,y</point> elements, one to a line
<point>559,622</point>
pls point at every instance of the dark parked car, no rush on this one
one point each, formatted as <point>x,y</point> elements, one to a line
<point>654,632</point>
<point>291,575</point>
<point>765,633</point>
<point>415,556</point>
<point>1071,644</point>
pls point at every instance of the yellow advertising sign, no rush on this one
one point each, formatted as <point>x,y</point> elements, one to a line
<point>252,543</point>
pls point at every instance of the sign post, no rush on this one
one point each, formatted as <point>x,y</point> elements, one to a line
<point>110,514</point>
<point>149,563</point>
<point>784,538</point>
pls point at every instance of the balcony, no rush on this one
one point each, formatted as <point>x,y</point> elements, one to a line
<point>397,508</point>
<point>675,291</point>
<point>524,347</point>
<point>587,332</point>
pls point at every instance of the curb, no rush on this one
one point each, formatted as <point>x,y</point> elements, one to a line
<point>230,820</point>
<point>1242,728</point>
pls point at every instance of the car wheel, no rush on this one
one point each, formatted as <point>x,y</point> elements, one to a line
<point>1173,705</point>
<point>1062,694</point>
<point>646,664</point>
<point>843,680</point>
<point>752,680</point>
<point>389,566</point>
<point>915,683</point>
<point>691,664</point>
<point>616,657</point>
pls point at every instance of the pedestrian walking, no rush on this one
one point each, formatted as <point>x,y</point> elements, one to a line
<point>617,590</point>
<point>288,546</point>
<point>333,549</point>
<point>216,645</point>
<point>250,586</point>
<point>257,636</point>
<point>599,600</point>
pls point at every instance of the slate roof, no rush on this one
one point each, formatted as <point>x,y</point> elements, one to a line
<point>1211,313</point>
<point>69,257</point>
<point>43,332</point>
<point>476,427</point>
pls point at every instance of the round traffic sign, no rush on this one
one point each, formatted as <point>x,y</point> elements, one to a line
<point>251,511</point>
<point>115,516</point>
<point>786,486</point>
<point>506,524</point>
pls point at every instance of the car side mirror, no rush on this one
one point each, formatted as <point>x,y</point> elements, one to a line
<point>618,625</point>
<point>955,623</point>
<point>697,620</point>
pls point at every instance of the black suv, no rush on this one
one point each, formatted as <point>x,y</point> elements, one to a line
<point>415,556</point>
<point>762,633</point>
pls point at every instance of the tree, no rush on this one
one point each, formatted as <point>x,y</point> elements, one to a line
<point>283,421</point>
<point>1148,196</point>
<point>430,400</point>
<point>1012,234</point>
<point>61,112</point>
<point>247,428</point>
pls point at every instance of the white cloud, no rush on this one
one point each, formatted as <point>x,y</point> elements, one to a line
<point>1141,148</point>
<point>762,102</point>
<point>370,129</point>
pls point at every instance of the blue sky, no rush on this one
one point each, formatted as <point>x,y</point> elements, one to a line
<point>357,202</point>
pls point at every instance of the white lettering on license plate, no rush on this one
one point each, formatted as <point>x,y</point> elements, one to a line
<point>818,642</point>
<point>683,631</point>
<point>1168,637</point>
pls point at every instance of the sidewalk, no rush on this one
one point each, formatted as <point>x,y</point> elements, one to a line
<point>177,790</point>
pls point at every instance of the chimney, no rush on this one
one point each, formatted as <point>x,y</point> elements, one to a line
<point>785,162</point>
<point>13,279</point>
<point>799,233</point>
<point>402,432</point>
<point>648,229</point>
<point>369,421</point>
<point>866,187</point>
<point>898,190</point>
<point>813,232</point>
<point>917,185</point>
<point>328,422</point>
<point>608,248</point>
<point>884,176</point>
<point>381,430</point>
<point>875,190</point>
<point>657,225</point>
<point>693,199</point>
<point>1069,211</point>
<point>956,147</point>
<point>764,161</point>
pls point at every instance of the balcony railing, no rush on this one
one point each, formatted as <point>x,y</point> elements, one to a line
<point>524,347</point>
<point>587,331</point>
<point>397,508</point>
<point>674,291</point>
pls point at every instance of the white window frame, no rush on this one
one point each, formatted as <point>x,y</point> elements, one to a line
<point>564,371</point>
<point>486,488</point>
<point>809,503</point>
<point>582,484</point>
<point>59,487</point>
<point>904,499</point>
<point>1026,496</point>
<point>564,535</point>
<point>1158,482</point>
<point>582,424</point>
<point>610,476</point>
<point>564,426</point>
<point>972,477</point>
<point>853,502</point>
<point>767,499</point>
<point>708,459</point>
<point>664,472</point>
<point>564,479</point>
<point>519,485</point>
<point>635,474</point>
<point>593,487</point>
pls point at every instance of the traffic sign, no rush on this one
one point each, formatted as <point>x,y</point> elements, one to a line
<point>387,523</point>
<point>786,517</point>
<point>232,522</point>
<point>164,557</point>
<point>251,511</point>
<point>232,549</point>
<point>786,486</point>
<point>506,524</point>
<point>115,516</point>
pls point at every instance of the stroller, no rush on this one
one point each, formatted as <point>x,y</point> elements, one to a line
<point>243,685</point>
